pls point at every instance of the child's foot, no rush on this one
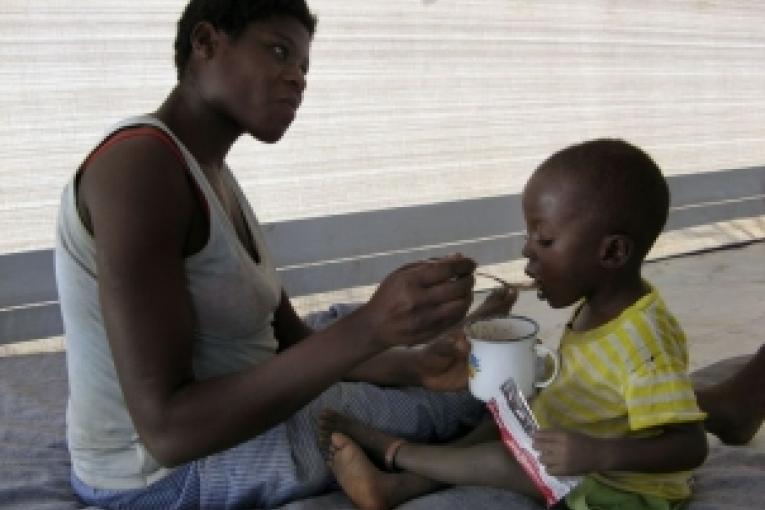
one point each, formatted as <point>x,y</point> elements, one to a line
<point>732,415</point>
<point>365,485</point>
<point>372,441</point>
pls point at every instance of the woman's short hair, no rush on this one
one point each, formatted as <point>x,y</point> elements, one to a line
<point>233,17</point>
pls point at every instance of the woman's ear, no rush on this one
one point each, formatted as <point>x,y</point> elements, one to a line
<point>616,250</point>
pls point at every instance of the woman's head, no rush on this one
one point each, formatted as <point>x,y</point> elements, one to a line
<point>245,63</point>
<point>233,17</point>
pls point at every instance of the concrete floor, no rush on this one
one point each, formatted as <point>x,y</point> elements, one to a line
<point>718,296</point>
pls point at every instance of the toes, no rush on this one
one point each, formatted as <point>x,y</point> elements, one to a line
<point>329,416</point>
<point>339,440</point>
<point>326,424</point>
<point>338,443</point>
<point>329,455</point>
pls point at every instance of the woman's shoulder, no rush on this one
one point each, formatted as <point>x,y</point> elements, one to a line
<point>135,175</point>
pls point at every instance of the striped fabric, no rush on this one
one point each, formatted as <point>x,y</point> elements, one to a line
<point>625,378</point>
<point>284,464</point>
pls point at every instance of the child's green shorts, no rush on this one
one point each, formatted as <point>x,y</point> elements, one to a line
<point>594,495</point>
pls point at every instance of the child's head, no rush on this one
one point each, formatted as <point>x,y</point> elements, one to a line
<point>233,17</point>
<point>593,211</point>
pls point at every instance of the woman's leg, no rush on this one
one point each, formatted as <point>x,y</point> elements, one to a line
<point>179,490</point>
<point>736,407</point>
<point>285,463</point>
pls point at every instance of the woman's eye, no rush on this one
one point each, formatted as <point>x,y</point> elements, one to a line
<point>544,242</point>
<point>280,51</point>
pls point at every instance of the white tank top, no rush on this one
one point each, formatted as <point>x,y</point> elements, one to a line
<point>233,299</point>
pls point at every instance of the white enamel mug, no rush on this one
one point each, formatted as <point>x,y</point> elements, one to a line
<point>503,347</point>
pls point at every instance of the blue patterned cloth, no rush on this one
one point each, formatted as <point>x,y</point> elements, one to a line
<point>284,464</point>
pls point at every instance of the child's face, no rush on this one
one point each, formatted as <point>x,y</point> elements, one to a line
<point>562,239</point>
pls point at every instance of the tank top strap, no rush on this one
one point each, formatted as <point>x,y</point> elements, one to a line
<point>146,130</point>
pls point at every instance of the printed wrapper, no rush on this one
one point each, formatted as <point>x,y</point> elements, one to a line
<point>517,425</point>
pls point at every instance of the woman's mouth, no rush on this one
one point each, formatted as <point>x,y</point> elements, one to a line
<point>293,102</point>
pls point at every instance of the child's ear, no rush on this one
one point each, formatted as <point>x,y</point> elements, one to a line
<point>616,250</point>
<point>204,39</point>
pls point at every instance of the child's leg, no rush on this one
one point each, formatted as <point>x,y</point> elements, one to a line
<point>479,464</point>
<point>375,443</point>
<point>367,486</point>
<point>736,406</point>
<point>468,461</point>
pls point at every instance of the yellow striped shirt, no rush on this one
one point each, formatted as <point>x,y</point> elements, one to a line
<point>625,378</point>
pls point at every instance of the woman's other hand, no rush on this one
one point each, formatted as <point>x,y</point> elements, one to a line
<point>499,302</point>
<point>442,364</point>
<point>419,301</point>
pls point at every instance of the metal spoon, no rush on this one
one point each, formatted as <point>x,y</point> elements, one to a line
<point>518,285</point>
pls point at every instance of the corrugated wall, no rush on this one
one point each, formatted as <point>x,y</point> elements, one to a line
<point>409,101</point>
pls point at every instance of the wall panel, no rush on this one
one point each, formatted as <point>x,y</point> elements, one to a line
<point>410,102</point>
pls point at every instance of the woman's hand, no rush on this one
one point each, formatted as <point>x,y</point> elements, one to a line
<point>419,301</point>
<point>441,365</point>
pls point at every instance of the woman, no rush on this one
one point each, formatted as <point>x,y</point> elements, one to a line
<point>193,383</point>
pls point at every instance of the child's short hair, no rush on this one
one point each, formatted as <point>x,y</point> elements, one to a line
<point>232,17</point>
<point>622,182</point>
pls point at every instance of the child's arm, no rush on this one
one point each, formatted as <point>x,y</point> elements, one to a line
<point>677,447</point>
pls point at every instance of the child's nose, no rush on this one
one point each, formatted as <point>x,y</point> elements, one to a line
<point>530,269</point>
<point>526,250</point>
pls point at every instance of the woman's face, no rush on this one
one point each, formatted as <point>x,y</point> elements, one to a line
<point>257,80</point>
<point>562,242</point>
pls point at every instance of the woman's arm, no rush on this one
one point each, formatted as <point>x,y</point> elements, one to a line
<point>440,364</point>
<point>140,206</point>
<point>676,447</point>
<point>289,328</point>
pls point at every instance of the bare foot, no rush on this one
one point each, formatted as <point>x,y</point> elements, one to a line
<point>372,441</point>
<point>365,485</point>
<point>736,407</point>
<point>732,416</point>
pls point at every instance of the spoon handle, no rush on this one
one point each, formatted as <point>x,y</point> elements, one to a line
<point>517,285</point>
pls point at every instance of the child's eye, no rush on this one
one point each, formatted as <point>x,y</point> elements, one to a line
<point>545,242</point>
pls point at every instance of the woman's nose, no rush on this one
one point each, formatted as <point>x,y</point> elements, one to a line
<point>296,77</point>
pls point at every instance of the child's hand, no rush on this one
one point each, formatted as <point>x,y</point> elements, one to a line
<point>566,453</point>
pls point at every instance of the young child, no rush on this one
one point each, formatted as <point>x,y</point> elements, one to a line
<point>622,411</point>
